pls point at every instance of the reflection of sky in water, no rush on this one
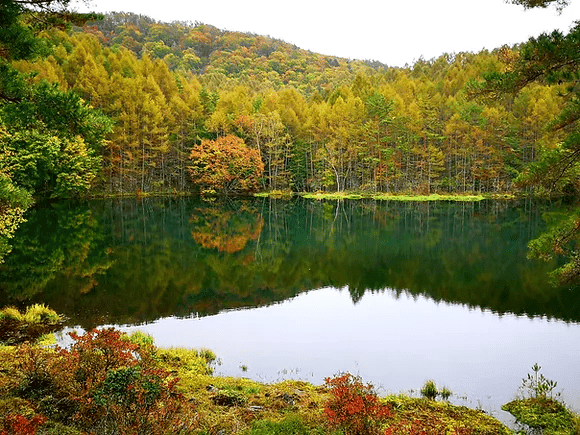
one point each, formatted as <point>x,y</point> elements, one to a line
<point>394,343</point>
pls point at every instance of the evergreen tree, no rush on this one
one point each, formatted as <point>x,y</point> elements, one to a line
<point>551,59</point>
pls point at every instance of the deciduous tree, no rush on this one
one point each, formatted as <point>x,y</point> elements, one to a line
<point>226,164</point>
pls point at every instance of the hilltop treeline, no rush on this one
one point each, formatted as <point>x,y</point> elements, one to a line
<point>319,123</point>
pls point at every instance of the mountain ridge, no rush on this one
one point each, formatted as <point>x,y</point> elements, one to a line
<point>203,48</point>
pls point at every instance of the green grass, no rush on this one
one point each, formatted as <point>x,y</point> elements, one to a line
<point>11,313</point>
<point>189,361</point>
<point>37,313</point>
<point>392,197</point>
<point>545,414</point>
<point>40,313</point>
<point>36,324</point>
<point>279,194</point>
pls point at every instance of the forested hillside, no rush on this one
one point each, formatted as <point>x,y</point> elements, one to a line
<point>318,123</point>
<point>204,49</point>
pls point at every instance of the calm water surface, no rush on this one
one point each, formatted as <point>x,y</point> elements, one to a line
<point>396,292</point>
<point>397,342</point>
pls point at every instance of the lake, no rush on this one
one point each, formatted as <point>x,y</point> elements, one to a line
<point>398,293</point>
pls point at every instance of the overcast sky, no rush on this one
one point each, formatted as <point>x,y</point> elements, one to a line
<point>393,32</point>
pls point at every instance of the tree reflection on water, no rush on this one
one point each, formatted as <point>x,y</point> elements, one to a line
<point>137,260</point>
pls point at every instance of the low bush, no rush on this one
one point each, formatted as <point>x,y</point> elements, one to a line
<point>103,384</point>
<point>354,406</point>
<point>545,414</point>
<point>430,391</point>
<point>111,383</point>
<point>21,425</point>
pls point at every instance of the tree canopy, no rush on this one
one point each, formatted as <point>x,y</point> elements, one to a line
<point>550,59</point>
<point>49,138</point>
<point>226,164</point>
<point>529,4</point>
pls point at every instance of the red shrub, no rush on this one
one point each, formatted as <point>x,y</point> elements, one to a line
<point>120,387</point>
<point>354,406</point>
<point>103,384</point>
<point>20,425</point>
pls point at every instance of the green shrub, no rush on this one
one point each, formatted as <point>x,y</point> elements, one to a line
<point>445,393</point>
<point>140,338</point>
<point>429,390</point>
<point>537,386</point>
<point>539,408</point>
<point>186,360</point>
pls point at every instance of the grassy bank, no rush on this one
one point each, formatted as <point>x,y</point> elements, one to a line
<point>111,383</point>
<point>288,194</point>
<point>393,197</point>
<point>384,196</point>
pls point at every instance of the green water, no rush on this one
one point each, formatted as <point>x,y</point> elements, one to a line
<point>130,261</point>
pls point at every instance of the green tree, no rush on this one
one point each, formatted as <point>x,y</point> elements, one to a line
<point>51,138</point>
<point>540,3</point>
<point>550,59</point>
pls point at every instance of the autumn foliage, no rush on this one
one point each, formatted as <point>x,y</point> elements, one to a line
<point>109,383</point>
<point>318,123</point>
<point>103,384</point>
<point>226,164</point>
<point>228,231</point>
<point>21,425</point>
<point>354,406</point>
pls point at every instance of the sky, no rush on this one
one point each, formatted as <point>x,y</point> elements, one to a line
<point>395,33</point>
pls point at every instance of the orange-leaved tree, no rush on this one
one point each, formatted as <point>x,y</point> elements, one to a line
<point>226,164</point>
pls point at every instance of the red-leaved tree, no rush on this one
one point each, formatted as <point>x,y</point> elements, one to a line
<point>226,164</point>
